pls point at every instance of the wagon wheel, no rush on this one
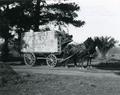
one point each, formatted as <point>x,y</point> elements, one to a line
<point>51,60</point>
<point>29,59</point>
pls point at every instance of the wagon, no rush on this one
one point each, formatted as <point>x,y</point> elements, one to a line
<point>41,45</point>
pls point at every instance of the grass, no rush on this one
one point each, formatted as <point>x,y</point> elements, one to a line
<point>40,84</point>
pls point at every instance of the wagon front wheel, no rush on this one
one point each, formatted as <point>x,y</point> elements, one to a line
<point>29,59</point>
<point>51,60</point>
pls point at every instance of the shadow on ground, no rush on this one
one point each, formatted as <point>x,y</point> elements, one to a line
<point>108,65</point>
<point>13,61</point>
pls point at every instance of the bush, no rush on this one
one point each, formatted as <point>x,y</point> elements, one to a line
<point>8,75</point>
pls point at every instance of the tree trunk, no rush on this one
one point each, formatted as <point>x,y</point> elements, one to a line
<point>19,42</point>
<point>103,54</point>
<point>5,50</point>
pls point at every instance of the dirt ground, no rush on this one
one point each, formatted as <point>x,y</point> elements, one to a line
<point>42,80</point>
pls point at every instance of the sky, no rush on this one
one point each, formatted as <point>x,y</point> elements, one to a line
<point>102,18</point>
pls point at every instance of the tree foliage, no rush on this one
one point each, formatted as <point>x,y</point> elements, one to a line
<point>105,44</point>
<point>31,14</point>
<point>26,14</point>
<point>65,13</point>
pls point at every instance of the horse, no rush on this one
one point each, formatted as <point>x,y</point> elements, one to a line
<point>79,54</point>
<point>74,51</point>
<point>88,59</point>
<point>84,55</point>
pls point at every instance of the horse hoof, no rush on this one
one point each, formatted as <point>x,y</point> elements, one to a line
<point>66,66</point>
<point>81,68</point>
<point>89,67</point>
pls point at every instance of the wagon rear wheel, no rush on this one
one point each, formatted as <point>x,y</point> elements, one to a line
<point>29,59</point>
<point>51,60</point>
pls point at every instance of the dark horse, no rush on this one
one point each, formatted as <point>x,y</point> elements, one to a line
<point>81,53</point>
<point>87,57</point>
<point>89,52</point>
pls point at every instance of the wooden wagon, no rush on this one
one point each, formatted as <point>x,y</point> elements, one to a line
<point>41,45</point>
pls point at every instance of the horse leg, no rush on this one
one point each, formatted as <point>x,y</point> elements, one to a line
<point>81,65</point>
<point>89,63</point>
<point>75,62</point>
<point>66,64</point>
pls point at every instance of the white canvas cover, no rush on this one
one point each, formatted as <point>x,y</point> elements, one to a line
<point>40,42</point>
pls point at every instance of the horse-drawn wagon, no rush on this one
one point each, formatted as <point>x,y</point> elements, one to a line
<point>41,45</point>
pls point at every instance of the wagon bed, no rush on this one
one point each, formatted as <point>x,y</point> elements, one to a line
<point>41,45</point>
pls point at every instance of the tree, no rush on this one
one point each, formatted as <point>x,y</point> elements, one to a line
<point>104,44</point>
<point>6,35</point>
<point>31,14</point>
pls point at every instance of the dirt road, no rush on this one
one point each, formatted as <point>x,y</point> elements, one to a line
<point>67,71</point>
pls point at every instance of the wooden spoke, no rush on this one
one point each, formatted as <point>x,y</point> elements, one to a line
<point>51,60</point>
<point>29,59</point>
